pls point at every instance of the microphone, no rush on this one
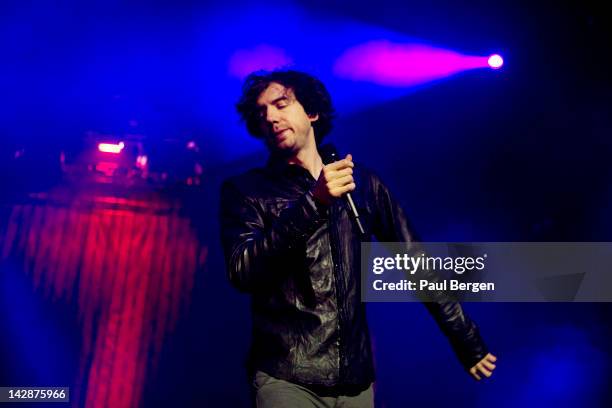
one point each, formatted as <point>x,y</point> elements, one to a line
<point>329,154</point>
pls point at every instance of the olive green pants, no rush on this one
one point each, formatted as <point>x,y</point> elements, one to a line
<point>271,392</point>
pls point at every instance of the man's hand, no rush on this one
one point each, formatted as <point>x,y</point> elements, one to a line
<point>335,179</point>
<point>484,367</point>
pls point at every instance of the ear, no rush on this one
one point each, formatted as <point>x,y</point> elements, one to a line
<point>313,118</point>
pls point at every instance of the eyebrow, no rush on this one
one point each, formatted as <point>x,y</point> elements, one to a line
<point>280,98</point>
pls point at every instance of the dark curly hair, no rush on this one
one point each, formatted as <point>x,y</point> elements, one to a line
<point>308,90</point>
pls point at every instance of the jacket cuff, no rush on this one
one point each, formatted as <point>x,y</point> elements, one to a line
<point>472,349</point>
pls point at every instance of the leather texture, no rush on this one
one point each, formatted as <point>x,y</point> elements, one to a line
<point>300,261</point>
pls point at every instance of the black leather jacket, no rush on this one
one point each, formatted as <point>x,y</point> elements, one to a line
<point>300,262</point>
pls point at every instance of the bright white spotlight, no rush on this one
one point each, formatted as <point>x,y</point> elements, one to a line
<point>495,61</point>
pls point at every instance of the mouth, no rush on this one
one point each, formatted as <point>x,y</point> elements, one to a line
<point>281,134</point>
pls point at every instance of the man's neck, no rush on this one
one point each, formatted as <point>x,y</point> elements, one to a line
<point>309,159</point>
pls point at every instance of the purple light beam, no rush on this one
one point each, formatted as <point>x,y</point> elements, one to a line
<point>402,65</point>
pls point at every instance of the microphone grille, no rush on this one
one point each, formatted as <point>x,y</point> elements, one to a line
<point>328,153</point>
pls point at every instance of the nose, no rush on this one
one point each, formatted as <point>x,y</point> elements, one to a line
<point>272,114</point>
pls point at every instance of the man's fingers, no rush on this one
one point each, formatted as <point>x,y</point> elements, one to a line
<point>337,192</point>
<point>337,177</point>
<point>336,165</point>
<point>340,164</point>
<point>484,367</point>
<point>345,171</point>
<point>340,181</point>
<point>334,174</point>
<point>330,175</point>
<point>488,365</point>
<point>484,370</point>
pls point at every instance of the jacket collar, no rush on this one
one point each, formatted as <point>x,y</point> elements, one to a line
<point>278,166</point>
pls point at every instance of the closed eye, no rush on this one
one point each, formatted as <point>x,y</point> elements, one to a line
<point>282,103</point>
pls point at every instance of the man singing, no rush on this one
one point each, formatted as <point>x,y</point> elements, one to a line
<point>291,243</point>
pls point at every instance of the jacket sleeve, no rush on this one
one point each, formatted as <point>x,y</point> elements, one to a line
<point>249,244</point>
<point>391,225</point>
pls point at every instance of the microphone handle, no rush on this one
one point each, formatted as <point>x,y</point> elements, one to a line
<point>353,210</point>
<point>329,154</point>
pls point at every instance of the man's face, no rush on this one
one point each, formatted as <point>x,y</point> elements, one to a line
<point>284,123</point>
